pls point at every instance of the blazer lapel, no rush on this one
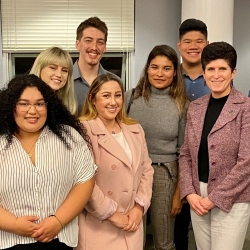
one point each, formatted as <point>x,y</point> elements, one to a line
<point>106,141</point>
<point>197,115</point>
<point>229,111</point>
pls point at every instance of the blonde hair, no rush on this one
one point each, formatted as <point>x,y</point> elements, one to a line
<point>57,55</point>
<point>89,111</point>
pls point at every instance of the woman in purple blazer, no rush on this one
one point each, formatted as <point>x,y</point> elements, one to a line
<point>215,159</point>
<point>112,219</point>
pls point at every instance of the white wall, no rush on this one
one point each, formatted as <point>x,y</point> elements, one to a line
<point>241,42</point>
<point>156,22</point>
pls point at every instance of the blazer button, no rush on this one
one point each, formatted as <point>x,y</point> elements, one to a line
<point>213,163</point>
<point>110,193</point>
<point>113,167</point>
<point>212,147</point>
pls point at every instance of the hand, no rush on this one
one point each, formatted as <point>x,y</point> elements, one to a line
<point>194,202</point>
<point>206,203</point>
<point>176,203</point>
<point>119,220</point>
<point>25,226</point>
<point>49,229</point>
<point>134,218</point>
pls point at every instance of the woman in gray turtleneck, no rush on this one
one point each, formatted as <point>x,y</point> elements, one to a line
<point>159,104</point>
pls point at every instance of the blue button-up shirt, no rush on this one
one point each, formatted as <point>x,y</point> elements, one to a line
<point>195,88</point>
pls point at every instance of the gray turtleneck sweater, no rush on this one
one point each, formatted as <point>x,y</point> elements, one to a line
<point>164,128</point>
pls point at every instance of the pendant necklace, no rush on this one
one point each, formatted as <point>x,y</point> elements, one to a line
<point>113,130</point>
<point>28,153</point>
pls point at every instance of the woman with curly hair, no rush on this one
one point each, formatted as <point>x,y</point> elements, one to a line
<point>160,105</point>
<point>46,168</point>
<point>54,66</point>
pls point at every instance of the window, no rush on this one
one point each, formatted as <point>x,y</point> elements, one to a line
<point>113,62</point>
<point>32,26</point>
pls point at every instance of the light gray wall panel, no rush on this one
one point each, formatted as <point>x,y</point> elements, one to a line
<point>156,22</point>
<point>241,42</point>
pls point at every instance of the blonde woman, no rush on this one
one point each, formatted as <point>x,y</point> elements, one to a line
<point>54,66</point>
<point>160,105</point>
<point>124,179</point>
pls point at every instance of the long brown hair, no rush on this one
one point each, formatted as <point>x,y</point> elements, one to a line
<point>177,87</point>
<point>89,111</point>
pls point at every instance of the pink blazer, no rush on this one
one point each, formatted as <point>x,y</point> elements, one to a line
<point>229,151</point>
<point>119,185</point>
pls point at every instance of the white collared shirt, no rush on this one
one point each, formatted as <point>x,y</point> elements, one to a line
<point>28,190</point>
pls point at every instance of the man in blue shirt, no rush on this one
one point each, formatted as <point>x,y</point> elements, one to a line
<point>192,40</point>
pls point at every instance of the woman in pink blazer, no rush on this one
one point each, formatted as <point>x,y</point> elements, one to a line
<point>215,159</point>
<point>112,219</point>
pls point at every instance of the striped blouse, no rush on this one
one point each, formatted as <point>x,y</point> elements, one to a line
<point>28,190</point>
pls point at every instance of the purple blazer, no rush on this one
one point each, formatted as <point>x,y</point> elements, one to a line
<point>229,151</point>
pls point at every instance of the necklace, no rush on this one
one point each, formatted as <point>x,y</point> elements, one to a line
<point>28,153</point>
<point>113,130</point>
<point>118,129</point>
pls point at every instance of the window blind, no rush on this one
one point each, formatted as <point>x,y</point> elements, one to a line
<point>32,25</point>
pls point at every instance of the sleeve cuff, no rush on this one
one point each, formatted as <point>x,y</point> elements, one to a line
<point>142,203</point>
<point>112,207</point>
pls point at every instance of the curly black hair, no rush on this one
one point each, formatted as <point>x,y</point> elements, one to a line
<point>57,114</point>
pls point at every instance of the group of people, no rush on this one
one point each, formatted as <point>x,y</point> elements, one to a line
<point>78,151</point>
<point>80,182</point>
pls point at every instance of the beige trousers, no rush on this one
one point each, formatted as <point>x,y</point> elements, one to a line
<point>219,230</point>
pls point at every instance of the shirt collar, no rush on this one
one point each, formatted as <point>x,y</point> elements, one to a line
<point>77,73</point>
<point>76,70</point>
<point>185,73</point>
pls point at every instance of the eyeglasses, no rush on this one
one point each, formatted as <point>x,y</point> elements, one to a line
<point>24,106</point>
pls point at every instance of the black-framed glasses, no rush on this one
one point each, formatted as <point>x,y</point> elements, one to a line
<point>25,106</point>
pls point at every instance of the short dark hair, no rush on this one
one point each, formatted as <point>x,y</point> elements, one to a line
<point>57,114</point>
<point>94,22</point>
<point>192,24</point>
<point>219,50</point>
